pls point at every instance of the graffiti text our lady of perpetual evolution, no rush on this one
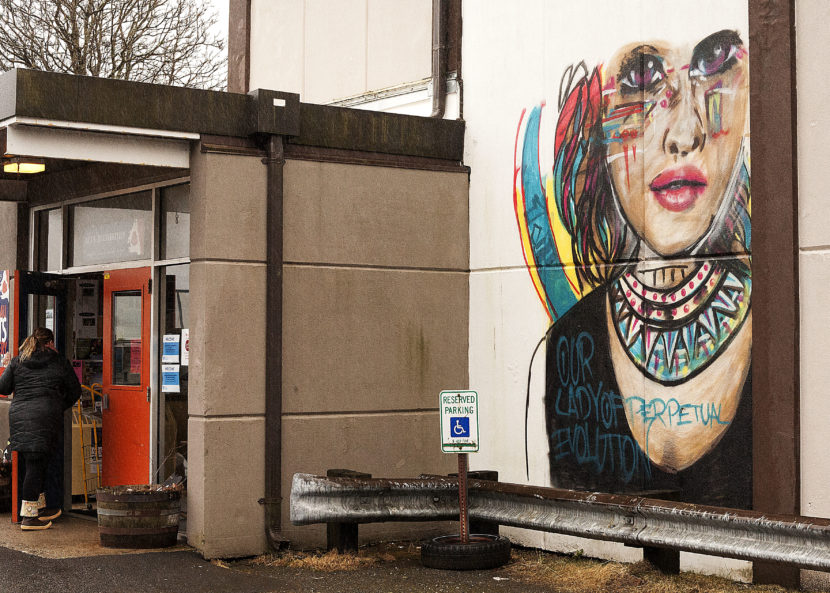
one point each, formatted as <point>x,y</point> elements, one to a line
<point>592,417</point>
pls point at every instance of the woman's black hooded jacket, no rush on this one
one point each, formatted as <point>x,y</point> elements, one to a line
<point>44,385</point>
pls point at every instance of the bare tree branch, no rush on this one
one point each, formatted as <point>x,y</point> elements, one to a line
<point>159,41</point>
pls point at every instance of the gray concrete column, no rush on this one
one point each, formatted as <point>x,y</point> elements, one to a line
<point>8,261</point>
<point>8,235</point>
<point>226,401</point>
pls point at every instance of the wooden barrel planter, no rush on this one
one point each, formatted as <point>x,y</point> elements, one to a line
<point>138,516</point>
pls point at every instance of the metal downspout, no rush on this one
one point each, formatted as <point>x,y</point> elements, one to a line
<point>274,162</point>
<point>439,58</point>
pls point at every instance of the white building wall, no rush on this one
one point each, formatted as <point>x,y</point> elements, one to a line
<point>327,50</point>
<point>513,57</point>
<point>812,47</point>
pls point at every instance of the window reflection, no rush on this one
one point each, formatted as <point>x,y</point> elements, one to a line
<point>126,338</point>
<point>112,230</point>
<point>175,221</point>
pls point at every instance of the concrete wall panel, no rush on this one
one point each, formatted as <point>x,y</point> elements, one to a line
<point>384,445</point>
<point>277,45</point>
<point>368,339</point>
<point>331,49</point>
<point>335,49</point>
<point>815,376</point>
<point>813,120</point>
<point>227,372</point>
<point>399,42</point>
<point>349,214</point>
<point>814,265</point>
<point>227,478</point>
<point>228,207</point>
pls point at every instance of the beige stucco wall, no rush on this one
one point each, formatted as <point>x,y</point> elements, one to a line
<point>374,322</point>
<point>226,400</point>
<point>8,236</point>
<point>374,326</point>
<point>8,261</point>
<point>812,47</point>
<point>331,49</point>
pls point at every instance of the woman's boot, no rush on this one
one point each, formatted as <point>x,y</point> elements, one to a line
<point>44,513</point>
<point>28,517</point>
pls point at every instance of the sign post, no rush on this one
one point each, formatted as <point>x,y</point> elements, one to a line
<point>459,434</point>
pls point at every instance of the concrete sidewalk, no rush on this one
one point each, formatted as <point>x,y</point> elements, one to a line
<point>68,558</point>
<point>71,536</point>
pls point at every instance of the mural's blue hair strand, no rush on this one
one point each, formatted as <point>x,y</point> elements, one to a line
<point>558,296</point>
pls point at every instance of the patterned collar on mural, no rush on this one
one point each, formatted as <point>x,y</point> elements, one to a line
<point>672,335</point>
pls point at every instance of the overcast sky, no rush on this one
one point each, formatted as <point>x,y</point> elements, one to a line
<point>221,9</point>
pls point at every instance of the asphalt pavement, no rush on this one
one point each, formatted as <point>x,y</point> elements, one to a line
<point>157,572</point>
<point>187,572</point>
<point>68,558</point>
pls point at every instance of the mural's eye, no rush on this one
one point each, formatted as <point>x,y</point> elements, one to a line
<point>641,72</point>
<point>715,54</point>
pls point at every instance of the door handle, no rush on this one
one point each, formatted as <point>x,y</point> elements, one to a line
<point>148,394</point>
<point>105,401</point>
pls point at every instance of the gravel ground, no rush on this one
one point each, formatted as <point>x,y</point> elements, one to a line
<point>396,569</point>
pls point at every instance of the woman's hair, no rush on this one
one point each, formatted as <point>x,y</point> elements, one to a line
<point>36,342</point>
<point>601,238</point>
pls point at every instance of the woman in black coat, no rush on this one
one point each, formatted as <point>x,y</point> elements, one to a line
<point>44,386</point>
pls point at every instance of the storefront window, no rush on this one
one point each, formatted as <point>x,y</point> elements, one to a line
<point>175,360</point>
<point>112,230</point>
<point>50,231</point>
<point>175,221</point>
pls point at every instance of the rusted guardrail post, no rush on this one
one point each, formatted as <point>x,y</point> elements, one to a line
<point>343,536</point>
<point>665,560</point>
<point>477,525</point>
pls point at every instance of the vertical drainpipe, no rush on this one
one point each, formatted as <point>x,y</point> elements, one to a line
<point>274,162</point>
<point>439,58</point>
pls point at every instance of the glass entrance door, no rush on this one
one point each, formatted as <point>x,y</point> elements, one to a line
<point>126,377</point>
<point>39,300</point>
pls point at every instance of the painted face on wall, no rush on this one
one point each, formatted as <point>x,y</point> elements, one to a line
<point>673,124</point>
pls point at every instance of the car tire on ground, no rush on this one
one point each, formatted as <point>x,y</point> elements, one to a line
<point>482,552</point>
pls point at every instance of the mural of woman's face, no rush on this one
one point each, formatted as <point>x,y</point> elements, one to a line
<point>673,123</point>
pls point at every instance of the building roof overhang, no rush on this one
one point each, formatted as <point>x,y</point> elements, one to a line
<point>83,104</point>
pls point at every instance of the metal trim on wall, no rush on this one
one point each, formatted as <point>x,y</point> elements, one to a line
<point>372,159</point>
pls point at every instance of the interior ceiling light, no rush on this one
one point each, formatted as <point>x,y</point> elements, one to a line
<point>24,165</point>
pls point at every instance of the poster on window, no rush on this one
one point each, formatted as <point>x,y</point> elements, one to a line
<point>170,378</point>
<point>4,314</point>
<point>170,348</point>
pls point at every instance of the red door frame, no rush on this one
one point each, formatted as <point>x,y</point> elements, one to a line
<point>126,422</point>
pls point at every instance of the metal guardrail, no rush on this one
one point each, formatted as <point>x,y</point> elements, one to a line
<point>632,520</point>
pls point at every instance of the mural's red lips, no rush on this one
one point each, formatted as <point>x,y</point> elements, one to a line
<point>679,188</point>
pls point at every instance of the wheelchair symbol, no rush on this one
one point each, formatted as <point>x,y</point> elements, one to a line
<point>460,426</point>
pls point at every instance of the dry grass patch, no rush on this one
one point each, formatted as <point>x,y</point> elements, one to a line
<point>321,562</point>
<point>572,574</point>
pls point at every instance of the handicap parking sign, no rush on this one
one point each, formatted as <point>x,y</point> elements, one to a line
<point>460,426</point>
<point>459,421</point>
